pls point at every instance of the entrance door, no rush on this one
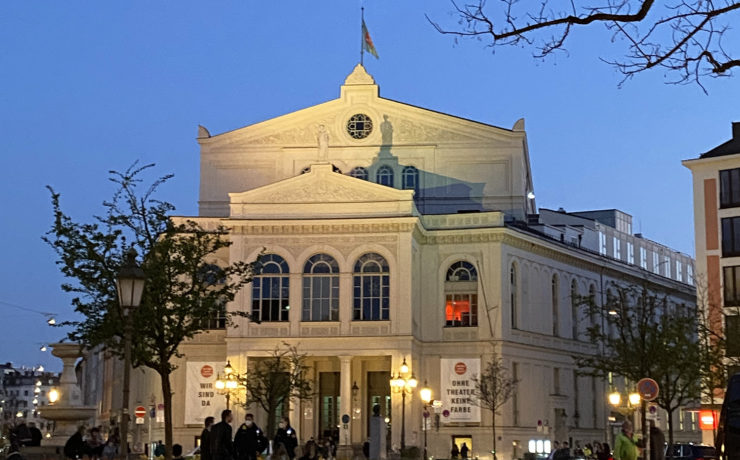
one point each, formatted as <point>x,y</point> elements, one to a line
<point>330,401</point>
<point>378,392</point>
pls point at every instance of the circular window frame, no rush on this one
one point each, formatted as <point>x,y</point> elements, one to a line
<point>365,131</point>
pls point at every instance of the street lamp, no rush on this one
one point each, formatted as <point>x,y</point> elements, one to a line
<point>403,384</point>
<point>130,286</point>
<point>229,383</point>
<point>426,397</point>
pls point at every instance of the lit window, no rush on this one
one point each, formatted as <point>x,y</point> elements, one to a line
<point>371,288</point>
<point>270,290</point>
<point>321,289</point>
<point>461,295</point>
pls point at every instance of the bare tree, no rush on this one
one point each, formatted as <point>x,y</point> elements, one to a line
<point>493,388</point>
<point>683,37</point>
<point>274,381</point>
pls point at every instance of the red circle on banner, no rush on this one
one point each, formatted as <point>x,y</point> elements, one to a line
<point>206,371</point>
<point>460,368</point>
<point>140,411</point>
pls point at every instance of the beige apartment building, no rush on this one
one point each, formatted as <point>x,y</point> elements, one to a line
<point>395,234</point>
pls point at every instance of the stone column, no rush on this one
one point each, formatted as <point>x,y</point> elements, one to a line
<point>345,407</point>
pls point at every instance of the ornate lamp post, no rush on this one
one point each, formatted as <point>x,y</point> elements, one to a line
<point>130,287</point>
<point>403,384</point>
<point>228,383</point>
<point>426,397</point>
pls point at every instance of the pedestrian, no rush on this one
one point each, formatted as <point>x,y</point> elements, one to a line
<point>36,435</point>
<point>464,451</point>
<point>553,450</point>
<point>657,442</point>
<point>159,449</point>
<point>75,447</point>
<point>311,451</point>
<point>205,439</point>
<point>455,452</point>
<point>563,453</point>
<point>95,443</point>
<point>286,436</point>
<point>605,453</point>
<point>624,446</point>
<point>249,440</point>
<point>177,452</point>
<point>222,448</point>
<point>23,434</point>
<point>110,450</point>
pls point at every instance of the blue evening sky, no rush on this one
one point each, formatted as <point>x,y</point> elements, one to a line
<point>86,87</point>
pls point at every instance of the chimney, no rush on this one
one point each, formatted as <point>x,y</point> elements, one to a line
<point>736,130</point>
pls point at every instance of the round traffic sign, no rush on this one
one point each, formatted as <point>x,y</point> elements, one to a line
<point>140,411</point>
<point>648,389</point>
<point>345,418</point>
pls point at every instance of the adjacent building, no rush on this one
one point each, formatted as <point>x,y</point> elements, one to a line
<point>396,235</point>
<point>23,395</point>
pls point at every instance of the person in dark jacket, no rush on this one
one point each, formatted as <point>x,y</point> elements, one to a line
<point>286,436</point>
<point>222,448</point>
<point>249,440</point>
<point>36,435</point>
<point>177,452</point>
<point>205,440</point>
<point>75,446</point>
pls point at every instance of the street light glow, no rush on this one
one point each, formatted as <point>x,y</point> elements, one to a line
<point>53,395</point>
<point>615,398</point>
<point>634,398</point>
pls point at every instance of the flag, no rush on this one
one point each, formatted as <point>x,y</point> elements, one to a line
<point>367,42</point>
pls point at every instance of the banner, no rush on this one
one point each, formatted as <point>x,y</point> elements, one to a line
<point>201,397</point>
<point>458,390</point>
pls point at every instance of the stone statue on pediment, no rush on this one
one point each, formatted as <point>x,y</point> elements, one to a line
<point>323,138</point>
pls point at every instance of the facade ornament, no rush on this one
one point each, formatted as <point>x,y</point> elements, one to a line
<point>323,138</point>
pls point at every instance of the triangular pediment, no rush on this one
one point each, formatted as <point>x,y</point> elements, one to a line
<point>321,193</point>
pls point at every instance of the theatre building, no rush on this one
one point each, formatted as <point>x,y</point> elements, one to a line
<point>396,234</point>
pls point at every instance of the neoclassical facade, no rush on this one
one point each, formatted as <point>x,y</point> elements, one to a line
<point>394,234</point>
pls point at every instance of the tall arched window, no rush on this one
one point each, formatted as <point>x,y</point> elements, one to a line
<point>321,289</point>
<point>384,176</point>
<point>359,173</point>
<point>591,304</point>
<point>555,293</point>
<point>371,288</point>
<point>270,290</point>
<point>513,296</point>
<point>410,178</point>
<point>574,301</point>
<point>461,295</point>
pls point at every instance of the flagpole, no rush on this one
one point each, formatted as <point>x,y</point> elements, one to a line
<point>362,38</point>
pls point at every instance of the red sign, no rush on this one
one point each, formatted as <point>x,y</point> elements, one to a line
<point>140,411</point>
<point>460,368</point>
<point>648,389</point>
<point>708,419</point>
<point>206,371</point>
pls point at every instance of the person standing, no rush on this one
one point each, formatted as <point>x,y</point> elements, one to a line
<point>657,442</point>
<point>454,452</point>
<point>249,440</point>
<point>286,436</point>
<point>464,451</point>
<point>624,446</point>
<point>205,440</point>
<point>222,448</point>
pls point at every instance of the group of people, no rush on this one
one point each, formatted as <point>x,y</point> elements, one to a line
<point>89,444</point>
<point>626,447</point>
<point>459,452</point>
<point>218,442</point>
<point>596,451</point>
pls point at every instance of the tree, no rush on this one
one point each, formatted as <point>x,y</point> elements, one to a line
<point>184,287</point>
<point>493,388</point>
<point>640,333</point>
<point>276,380</point>
<point>683,37</point>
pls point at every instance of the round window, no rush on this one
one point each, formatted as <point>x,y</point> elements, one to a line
<point>359,126</point>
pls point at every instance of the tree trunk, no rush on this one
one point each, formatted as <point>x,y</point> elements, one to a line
<point>167,394</point>
<point>670,433</point>
<point>270,430</point>
<point>493,422</point>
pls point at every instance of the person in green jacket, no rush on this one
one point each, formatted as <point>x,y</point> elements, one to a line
<point>624,446</point>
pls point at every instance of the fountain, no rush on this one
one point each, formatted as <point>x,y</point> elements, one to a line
<point>67,412</point>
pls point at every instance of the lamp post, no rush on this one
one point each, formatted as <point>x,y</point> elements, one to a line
<point>403,384</point>
<point>229,383</point>
<point>426,397</point>
<point>130,286</point>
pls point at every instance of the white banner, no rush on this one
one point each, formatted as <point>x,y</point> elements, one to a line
<point>458,390</point>
<point>201,398</point>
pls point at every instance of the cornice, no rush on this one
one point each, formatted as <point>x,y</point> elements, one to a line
<point>323,228</point>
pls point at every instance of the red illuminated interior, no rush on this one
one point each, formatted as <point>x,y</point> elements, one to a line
<point>455,309</point>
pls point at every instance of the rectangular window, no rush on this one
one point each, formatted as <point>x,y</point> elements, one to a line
<point>461,310</point>
<point>602,243</point>
<point>656,263</point>
<point>643,258</point>
<point>667,268</point>
<point>689,274</point>
<point>630,253</point>
<point>729,188</point>
<point>617,248</point>
<point>732,332</point>
<point>679,271</point>
<point>731,236</point>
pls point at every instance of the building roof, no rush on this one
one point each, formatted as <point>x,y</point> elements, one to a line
<point>730,147</point>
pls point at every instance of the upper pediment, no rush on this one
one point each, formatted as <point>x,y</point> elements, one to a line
<point>321,193</point>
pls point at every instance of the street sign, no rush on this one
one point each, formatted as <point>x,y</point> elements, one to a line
<point>139,420</point>
<point>652,412</point>
<point>140,412</point>
<point>648,389</point>
<point>345,419</point>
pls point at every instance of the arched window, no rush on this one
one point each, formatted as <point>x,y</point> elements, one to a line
<point>513,295</point>
<point>574,301</point>
<point>384,176</point>
<point>461,295</point>
<point>410,178</point>
<point>213,275</point>
<point>270,290</point>
<point>555,294</point>
<point>359,173</point>
<point>371,288</point>
<point>591,304</point>
<point>321,289</point>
